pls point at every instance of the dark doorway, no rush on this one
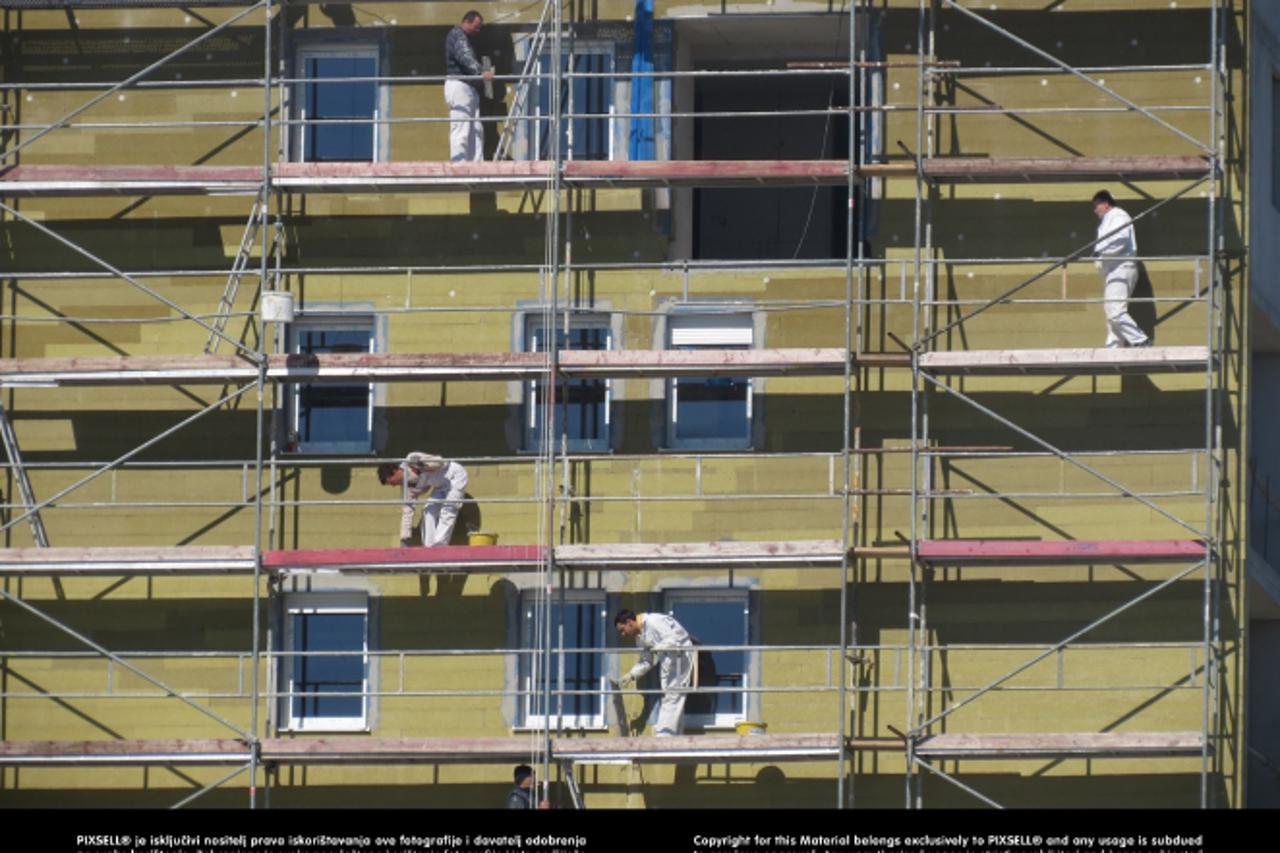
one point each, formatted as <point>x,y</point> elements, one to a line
<point>782,223</point>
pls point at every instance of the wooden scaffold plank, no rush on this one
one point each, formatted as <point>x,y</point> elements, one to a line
<point>445,558</point>
<point>491,176</point>
<point>332,750</point>
<point>488,559</point>
<point>1083,360</point>
<point>720,748</point>
<point>124,752</point>
<point>186,560</point>
<point>1062,745</point>
<point>1003,552</point>
<point>417,367</point>
<point>381,750</point>
<point>751,554</point>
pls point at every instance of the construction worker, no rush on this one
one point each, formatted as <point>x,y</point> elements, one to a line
<point>466,133</point>
<point>521,796</point>
<point>660,635</point>
<point>1115,249</point>
<point>446,483</point>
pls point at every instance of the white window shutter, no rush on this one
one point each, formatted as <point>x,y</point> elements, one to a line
<point>712,330</point>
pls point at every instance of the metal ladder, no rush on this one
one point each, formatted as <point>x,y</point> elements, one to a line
<point>519,103</point>
<point>252,228</point>
<point>20,475</point>
<point>571,781</point>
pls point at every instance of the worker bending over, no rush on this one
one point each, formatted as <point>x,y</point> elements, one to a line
<point>659,635</point>
<point>1116,248</point>
<point>443,482</point>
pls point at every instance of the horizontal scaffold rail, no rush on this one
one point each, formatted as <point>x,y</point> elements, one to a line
<point>585,364</point>
<point>376,750</point>
<point>238,560</point>
<point>1005,552</point>
<point>425,176</point>
<point>1062,745</point>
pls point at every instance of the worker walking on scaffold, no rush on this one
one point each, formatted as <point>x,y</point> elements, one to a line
<point>1116,248</point>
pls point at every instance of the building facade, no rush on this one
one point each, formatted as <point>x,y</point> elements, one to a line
<point>787,328</point>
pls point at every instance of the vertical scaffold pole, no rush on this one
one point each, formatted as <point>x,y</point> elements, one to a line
<point>845,797</point>
<point>264,196</point>
<point>912,796</point>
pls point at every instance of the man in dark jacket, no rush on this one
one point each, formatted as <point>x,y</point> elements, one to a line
<point>466,133</point>
<point>521,796</point>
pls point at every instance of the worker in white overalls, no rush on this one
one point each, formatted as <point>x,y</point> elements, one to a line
<point>444,483</point>
<point>660,636</point>
<point>1116,248</point>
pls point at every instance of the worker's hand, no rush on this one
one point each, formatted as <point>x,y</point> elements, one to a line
<point>626,681</point>
<point>488,75</point>
<point>544,804</point>
<point>406,543</point>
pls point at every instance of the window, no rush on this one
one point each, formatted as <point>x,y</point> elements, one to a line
<point>331,417</point>
<point>582,405</point>
<point>712,413</point>
<point>585,137</point>
<point>581,705</point>
<point>598,132</point>
<point>325,691</point>
<point>336,89</point>
<point>758,121</point>
<point>716,617</point>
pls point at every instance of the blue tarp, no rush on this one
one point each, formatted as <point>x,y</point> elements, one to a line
<point>640,145</point>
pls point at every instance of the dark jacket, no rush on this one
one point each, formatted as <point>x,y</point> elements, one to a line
<point>520,798</point>
<point>459,57</point>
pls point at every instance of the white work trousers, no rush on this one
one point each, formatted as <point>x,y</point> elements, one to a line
<point>439,515</point>
<point>676,671</point>
<point>466,133</point>
<point>1121,330</point>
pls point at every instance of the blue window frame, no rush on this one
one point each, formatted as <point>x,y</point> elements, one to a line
<point>338,102</point>
<point>331,417</point>
<point>582,405</point>
<point>717,617</point>
<point>710,413</point>
<point>326,665</point>
<point>581,705</point>
<point>584,137</point>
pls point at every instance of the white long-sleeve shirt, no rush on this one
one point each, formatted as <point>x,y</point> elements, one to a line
<point>659,634</point>
<point>449,481</point>
<point>1116,248</point>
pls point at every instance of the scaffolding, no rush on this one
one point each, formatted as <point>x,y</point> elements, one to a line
<point>935,363</point>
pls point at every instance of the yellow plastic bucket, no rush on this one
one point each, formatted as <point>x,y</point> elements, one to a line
<point>748,727</point>
<point>482,538</point>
